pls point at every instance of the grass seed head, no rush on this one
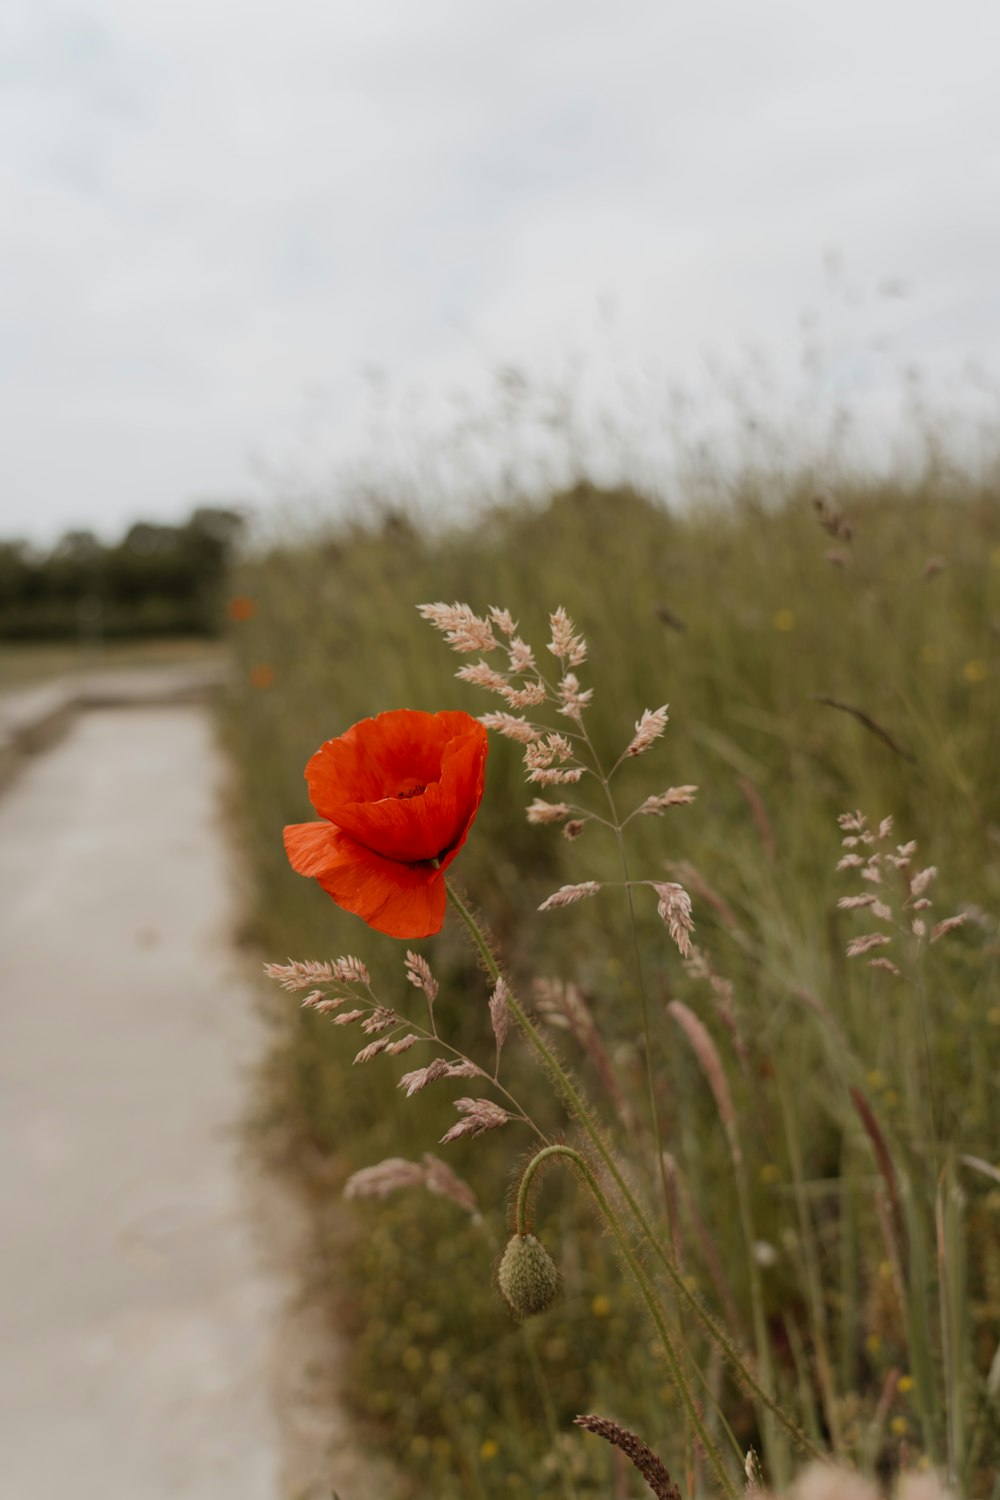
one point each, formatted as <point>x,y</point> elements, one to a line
<point>462,629</point>
<point>647,730</point>
<point>478,1116</point>
<point>567,894</point>
<point>511,726</point>
<point>674,910</point>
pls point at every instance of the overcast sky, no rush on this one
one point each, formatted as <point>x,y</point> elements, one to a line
<point>216,215</point>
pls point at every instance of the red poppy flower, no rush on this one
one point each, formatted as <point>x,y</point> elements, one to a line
<point>241,607</point>
<point>398,794</point>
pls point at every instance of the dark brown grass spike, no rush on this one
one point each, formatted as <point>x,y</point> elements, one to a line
<point>869,723</point>
<point>645,1460</point>
<point>758,810</point>
<point>883,1157</point>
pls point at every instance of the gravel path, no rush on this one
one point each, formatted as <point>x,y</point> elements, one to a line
<point>137,1325</point>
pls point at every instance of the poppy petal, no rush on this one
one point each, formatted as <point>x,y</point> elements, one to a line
<point>427,771</point>
<point>465,778</point>
<point>403,901</point>
<point>430,824</point>
<point>377,757</point>
<point>310,847</point>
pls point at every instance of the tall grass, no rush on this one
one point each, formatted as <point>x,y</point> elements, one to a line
<point>807,672</point>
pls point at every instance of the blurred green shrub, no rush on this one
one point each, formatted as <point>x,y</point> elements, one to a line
<point>158,580</point>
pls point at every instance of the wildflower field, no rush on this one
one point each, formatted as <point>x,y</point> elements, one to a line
<point>799,1096</point>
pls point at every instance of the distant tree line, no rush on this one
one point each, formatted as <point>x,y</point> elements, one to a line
<point>158,580</point>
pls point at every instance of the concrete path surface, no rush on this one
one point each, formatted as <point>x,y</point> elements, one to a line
<point>136,1323</point>
<point>33,717</point>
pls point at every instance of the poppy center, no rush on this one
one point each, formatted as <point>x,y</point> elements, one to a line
<point>410,788</point>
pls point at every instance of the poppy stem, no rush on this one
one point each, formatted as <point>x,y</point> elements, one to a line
<point>654,1109</point>
<point>647,1291</point>
<point>581,1112</point>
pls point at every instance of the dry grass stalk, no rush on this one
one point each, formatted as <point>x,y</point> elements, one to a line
<point>653,1471</point>
<point>832,519</point>
<point>565,644</point>
<point>567,894</point>
<point>324,1005</point>
<point>927,1486</point>
<point>556,776</point>
<point>503,620</point>
<point>384,1177</point>
<point>380,1019</point>
<point>545,760</point>
<point>674,910</point>
<point>948,925</point>
<point>447,1184</point>
<point>647,730</point>
<point>879,862</point>
<point>674,796</point>
<point>695,881</point>
<point>520,657</point>
<point>705,1050</point>
<point>479,1115</point>
<point>865,944</point>
<point>554,749</point>
<point>481,674</point>
<point>528,695</point>
<point>462,629</point>
<point>755,802</point>
<point>573,699</point>
<point>396,1172</point>
<point>869,723</point>
<point>304,974</point>
<point>707,1241</point>
<point>412,1083</point>
<point>564,1005</point>
<point>373,1049</point>
<point>541,811</point>
<point>886,965</point>
<point>403,1044</point>
<point>754,1473</point>
<point>884,1162</point>
<point>699,966</point>
<point>511,726</point>
<point>418,972</point>
<point>500,1013</point>
<point>297,975</point>
<point>833,1482</point>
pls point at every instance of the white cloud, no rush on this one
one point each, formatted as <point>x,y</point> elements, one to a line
<point>212,208</point>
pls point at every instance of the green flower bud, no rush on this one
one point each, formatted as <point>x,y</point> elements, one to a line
<point>528,1277</point>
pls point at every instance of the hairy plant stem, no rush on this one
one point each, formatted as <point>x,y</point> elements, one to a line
<point>647,1040</point>
<point>645,1287</point>
<point>577,1107</point>
<point>640,985</point>
<point>545,1397</point>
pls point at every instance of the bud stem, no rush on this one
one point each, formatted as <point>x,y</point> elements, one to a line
<point>646,1291</point>
<point>578,1108</point>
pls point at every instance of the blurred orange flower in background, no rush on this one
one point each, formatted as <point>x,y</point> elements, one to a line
<point>398,794</point>
<point>262,675</point>
<point>241,607</point>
